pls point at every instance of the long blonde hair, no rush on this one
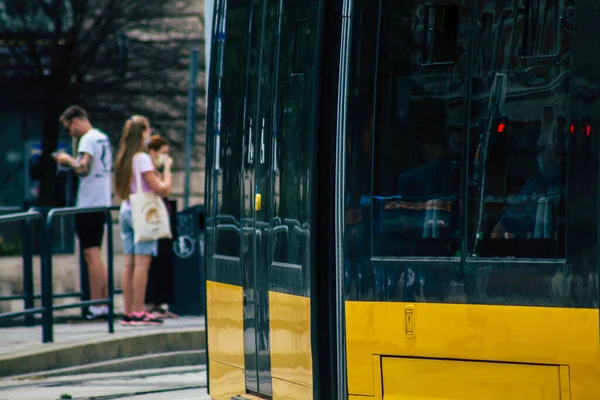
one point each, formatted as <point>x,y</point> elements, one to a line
<point>132,142</point>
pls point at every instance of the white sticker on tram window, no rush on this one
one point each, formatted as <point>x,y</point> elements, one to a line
<point>217,152</point>
<point>274,154</point>
<point>218,114</point>
<point>262,143</point>
<point>250,144</point>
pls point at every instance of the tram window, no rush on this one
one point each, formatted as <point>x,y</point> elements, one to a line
<point>541,28</point>
<point>231,141</point>
<point>441,34</point>
<point>418,140</point>
<point>518,190</point>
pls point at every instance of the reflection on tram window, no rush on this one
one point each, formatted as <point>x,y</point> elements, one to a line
<point>541,28</point>
<point>489,161</point>
<point>418,138</point>
<point>231,141</point>
<point>292,151</point>
<point>441,32</point>
<point>518,185</point>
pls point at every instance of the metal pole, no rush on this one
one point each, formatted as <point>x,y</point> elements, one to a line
<point>110,267</point>
<point>48,313</point>
<point>84,281</point>
<point>191,124</point>
<point>28,271</point>
<point>209,8</point>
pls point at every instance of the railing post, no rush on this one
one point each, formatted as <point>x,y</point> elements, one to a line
<point>47,295</point>
<point>28,294</point>
<point>110,272</point>
<point>84,280</point>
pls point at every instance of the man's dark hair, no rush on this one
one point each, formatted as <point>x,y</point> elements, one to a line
<point>73,112</point>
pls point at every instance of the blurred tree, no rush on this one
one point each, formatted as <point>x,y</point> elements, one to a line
<point>79,51</point>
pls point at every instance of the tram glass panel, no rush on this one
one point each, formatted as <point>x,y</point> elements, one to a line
<point>518,141</point>
<point>532,165</point>
<point>419,137</point>
<point>359,277</point>
<point>293,152</point>
<point>485,170</point>
<point>232,82</point>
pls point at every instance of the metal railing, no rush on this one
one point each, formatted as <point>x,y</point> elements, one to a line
<point>84,284</point>
<point>48,217</point>
<point>28,296</point>
<point>47,290</point>
<point>6,210</point>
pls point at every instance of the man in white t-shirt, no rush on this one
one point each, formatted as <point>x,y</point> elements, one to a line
<point>93,165</point>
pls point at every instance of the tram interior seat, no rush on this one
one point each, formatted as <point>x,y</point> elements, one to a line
<point>436,218</point>
<point>432,189</point>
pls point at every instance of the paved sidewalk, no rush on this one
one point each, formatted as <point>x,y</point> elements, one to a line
<point>25,340</point>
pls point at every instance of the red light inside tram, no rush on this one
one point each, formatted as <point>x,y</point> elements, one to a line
<point>501,127</point>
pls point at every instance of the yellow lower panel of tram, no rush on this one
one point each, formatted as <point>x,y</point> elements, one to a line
<point>225,320</point>
<point>283,390</point>
<point>550,337</point>
<point>413,378</point>
<point>226,381</point>
<point>291,359</point>
<point>360,397</point>
<point>224,317</point>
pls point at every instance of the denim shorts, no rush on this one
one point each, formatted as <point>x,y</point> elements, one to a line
<point>129,246</point>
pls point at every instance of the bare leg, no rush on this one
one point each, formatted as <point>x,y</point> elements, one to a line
<point>97,273</point>
<point>127,284</point>
<point>140,280</point>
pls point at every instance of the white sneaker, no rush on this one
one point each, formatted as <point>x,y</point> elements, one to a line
<point>97,312</point>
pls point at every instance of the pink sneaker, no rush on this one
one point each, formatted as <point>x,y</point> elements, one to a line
<point>126,320</point>
<point>144,318</point>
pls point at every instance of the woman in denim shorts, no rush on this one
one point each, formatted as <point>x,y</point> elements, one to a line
<point>132,158</point>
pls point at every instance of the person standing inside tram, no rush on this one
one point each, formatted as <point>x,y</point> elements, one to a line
<point>132,159</point>
<point>523,218</point>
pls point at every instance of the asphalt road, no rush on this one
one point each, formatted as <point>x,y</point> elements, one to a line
<point>169,383</point>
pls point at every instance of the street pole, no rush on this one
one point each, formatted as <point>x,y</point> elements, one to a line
<point>191,125</point>
<point>209,8</point>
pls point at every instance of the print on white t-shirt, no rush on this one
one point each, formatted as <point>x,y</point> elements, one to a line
<point>95,188</point>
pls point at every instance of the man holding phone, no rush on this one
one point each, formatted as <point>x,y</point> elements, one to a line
<point>93,165</point>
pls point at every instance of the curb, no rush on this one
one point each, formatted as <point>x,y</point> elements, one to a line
<point>102,350</point>
<point>175,359</point>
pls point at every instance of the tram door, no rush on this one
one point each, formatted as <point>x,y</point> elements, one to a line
<point>258,130</point>
<point>279,96</point>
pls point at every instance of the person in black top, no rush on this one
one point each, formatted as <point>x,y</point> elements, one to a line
<point>160,287</point>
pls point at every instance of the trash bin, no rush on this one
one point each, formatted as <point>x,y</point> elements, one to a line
<point>188,263</point>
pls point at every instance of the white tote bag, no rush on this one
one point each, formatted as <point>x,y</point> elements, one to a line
<point>149,215</point>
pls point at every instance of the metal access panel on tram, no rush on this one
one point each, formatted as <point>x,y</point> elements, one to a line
<point>411,378</point>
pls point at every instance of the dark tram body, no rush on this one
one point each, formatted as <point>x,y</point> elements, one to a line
<point>402,199</point>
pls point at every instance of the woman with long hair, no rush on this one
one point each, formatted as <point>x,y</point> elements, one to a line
<point>132,159</point>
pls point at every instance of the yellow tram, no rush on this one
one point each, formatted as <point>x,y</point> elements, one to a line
<point>402,200</point>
